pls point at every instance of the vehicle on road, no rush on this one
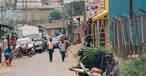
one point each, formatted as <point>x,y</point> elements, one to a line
<point>24,47</point>
<point>39,42</point>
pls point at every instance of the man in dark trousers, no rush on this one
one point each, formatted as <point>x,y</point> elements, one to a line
<point>62,47</point>
<point>50,49</point>
<point>112,65</point>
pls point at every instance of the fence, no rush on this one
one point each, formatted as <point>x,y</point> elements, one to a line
<point>129,35</point>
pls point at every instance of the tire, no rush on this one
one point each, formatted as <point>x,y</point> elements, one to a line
<point>30,54</point>
<point>16,55</point>
<point>40,51</point>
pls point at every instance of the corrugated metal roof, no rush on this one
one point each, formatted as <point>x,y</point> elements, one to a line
<point>52,25</point>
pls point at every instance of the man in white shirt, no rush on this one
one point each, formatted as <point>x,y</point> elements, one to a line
<point>62,47</point>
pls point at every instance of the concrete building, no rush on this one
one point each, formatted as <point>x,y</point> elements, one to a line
<point>53,28</point>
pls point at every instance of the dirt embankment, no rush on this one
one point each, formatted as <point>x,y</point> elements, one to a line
<point>73,49</point>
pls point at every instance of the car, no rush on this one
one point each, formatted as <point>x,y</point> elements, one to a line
<point>23,41</point>
<point>39,42</point>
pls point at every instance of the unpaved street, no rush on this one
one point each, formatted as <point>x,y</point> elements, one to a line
<point>39,65</point>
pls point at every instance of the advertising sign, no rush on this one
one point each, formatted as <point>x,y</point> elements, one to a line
<point>15,14</point>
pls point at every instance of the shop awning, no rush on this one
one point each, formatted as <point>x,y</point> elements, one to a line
<point>3,25</point>
<point>100,15</point>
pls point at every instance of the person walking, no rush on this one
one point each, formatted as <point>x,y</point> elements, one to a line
<point>0,56</point>
<point>62,47</point>
<point>5,42</point>
<point>50,49</point>
<point>11,42</point>
<point>8,55</point>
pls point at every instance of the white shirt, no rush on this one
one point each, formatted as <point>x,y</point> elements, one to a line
<point>62,46</point>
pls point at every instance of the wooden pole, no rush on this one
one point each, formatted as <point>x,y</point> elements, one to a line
<point>118,45</point>
<point>137,35</point>
<point>93,34</point>
<point>130,25</point>
<point>98,34</point>
<point>142,31</point>
<point>142,28</point>
<point>124,38</point>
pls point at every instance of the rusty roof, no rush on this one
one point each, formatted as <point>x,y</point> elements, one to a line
<point>52,25</point>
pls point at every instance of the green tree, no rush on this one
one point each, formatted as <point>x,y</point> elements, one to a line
<point>56,15</point>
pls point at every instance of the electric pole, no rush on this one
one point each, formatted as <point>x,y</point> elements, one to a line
<point>25,10</point>
<point>130,24</point>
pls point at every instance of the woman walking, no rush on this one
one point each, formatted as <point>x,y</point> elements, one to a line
<point>8,55</point>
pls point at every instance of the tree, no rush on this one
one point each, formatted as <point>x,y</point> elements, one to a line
<point>56,15</point>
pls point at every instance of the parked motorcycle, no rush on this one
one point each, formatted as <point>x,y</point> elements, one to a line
<point>29,50</point>
<point>82,71</point>
<point>24,50</point>
<point>19,49</point>
<point>24,47</point>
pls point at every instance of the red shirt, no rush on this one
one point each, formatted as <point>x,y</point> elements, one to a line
<point>11,42</point>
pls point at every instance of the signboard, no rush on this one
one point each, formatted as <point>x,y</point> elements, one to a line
<point>93,8</point>
<point>15,14</point>
<point>2,3</point>
<point>2,14</point>
<point>75,8</point>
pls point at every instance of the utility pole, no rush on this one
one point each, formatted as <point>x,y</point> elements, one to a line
<point>25,10</point>
<point>22,3</point>
<point>130,24</point>
<point>9,4</point>
<point>62,20</point>
<point>15,4</point>
<point>4,4</point>
<point>79,24</point>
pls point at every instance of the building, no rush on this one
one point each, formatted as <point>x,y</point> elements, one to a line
<point>121,26</point>
<point>53,28</point>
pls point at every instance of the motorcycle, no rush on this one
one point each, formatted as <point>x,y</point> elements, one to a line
<point>19,49</point>
<point>82,71</point>
<point>24,50</point>
<point>29,51</point>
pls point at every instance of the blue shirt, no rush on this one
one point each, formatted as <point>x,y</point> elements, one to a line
<point>7,53</point>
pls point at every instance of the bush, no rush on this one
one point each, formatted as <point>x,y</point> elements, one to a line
<point>137,67</point>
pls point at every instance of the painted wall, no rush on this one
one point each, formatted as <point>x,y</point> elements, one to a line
<point>119,7</point>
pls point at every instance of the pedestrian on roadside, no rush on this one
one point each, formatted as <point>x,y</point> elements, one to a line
<point>5,42</point>
<point>11,42</point>
<point>67,42</point>
<point>0,56</point>
<point>112,65</point>
<point>62,47</point>
<point>50,49</point>
<point>8,55</point>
